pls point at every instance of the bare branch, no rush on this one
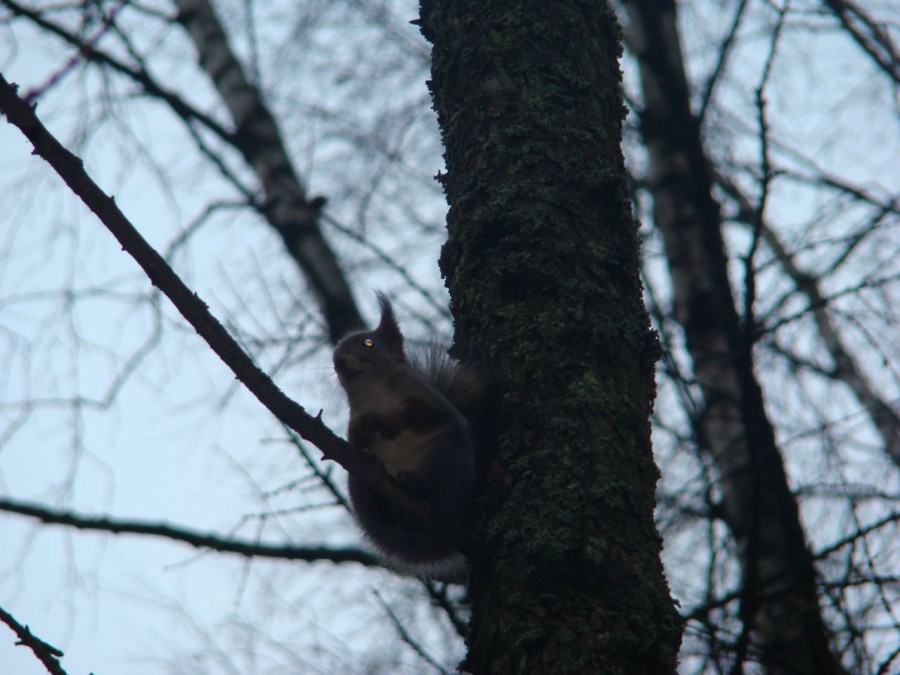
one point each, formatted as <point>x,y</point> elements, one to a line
<point>35,93</point>
<point>200,540</point>
<point>724,52</point>
<point>140,76</point>
<point>765,177</point>
<point>257,137</point>
<point>46,653</point>
<point>405,636</point>
<point>196,312</point>
<point>871,38</point>
<point>884,416</point>
<point>699,613</point>
<point>736,428</point>
<point>438,594</point>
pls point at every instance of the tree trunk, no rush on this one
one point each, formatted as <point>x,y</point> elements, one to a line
<point>779,604</point>
<point>542,266</point>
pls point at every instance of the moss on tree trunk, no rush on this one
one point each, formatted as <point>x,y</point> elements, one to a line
<point>543,269</point>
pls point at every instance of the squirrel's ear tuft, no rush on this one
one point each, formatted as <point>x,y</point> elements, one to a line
<point>388,330</point>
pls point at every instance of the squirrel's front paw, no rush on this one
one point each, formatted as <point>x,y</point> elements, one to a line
<point>390,431</point>
<point>363,429</point>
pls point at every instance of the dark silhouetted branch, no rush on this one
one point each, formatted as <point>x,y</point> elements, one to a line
<point>872,39</point>
<point>47,654</point>
<point>71,169</point>
<point>845,369</point>
<point>255,136</point>
<point>196,539</point>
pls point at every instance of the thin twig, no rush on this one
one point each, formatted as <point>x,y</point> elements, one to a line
<point>405,636</point>
<point>46,653</point>
<point>211,542</point>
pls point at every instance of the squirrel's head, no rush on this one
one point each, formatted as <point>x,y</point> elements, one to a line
<point>374,352</point>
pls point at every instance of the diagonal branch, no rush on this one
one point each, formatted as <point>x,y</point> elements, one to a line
<point>871,38</point>
<point>260,142</point>
<point>721,62</point>
<point>71,169</point>
<point>46,653</point>
<point>883,415</point>
<point>406,637</point>
<point>140,76</point>
<point>212,542</point>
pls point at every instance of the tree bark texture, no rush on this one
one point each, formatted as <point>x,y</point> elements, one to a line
<point>781,617</point>
<point>543,270</point>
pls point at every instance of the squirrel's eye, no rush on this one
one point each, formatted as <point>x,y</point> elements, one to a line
<point>368,342</point>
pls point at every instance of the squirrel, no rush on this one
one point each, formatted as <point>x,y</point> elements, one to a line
<point>411,415</point>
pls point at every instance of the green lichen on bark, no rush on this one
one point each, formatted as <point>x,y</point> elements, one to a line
<point>542,266</point>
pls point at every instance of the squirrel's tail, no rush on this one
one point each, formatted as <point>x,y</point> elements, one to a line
<point>458,383</point>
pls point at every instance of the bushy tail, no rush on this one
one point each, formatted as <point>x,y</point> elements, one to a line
<point>458,383</point>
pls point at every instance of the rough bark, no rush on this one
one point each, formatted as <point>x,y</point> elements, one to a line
<point>779,604</point>
<point>542,267</point>
<point>257,137</point>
